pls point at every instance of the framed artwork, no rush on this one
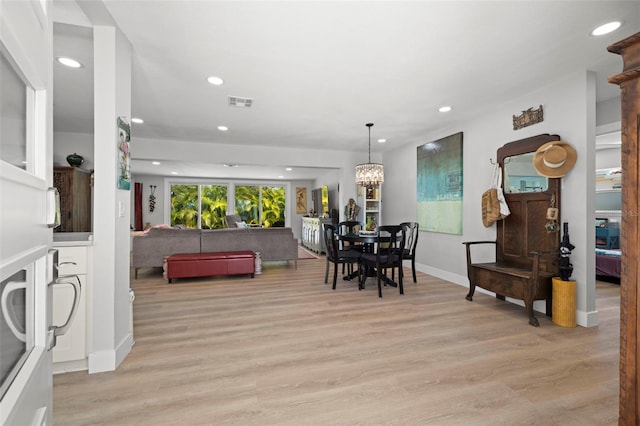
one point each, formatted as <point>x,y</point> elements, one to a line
<point>124,155</point>
<point>439,185</point>
<point>301,200</point>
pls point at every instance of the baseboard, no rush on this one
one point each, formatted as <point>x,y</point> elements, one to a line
<point>124,348</point>
<point>102,361</point>
<point>109,360</point>
<point>70,366</point>
<point>442,274</point>
<point>587,319</point>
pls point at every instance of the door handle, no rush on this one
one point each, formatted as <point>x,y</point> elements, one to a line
<point>55,330</point>
<point>9,315</point>
<point>53,207</point>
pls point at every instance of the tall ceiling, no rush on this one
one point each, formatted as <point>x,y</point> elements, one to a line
<point>317,71</point>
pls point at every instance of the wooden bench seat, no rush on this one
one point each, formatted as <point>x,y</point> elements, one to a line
<point>191,265</point>
<point>514,281</point>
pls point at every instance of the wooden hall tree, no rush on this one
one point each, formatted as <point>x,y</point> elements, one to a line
<point>629,82</point>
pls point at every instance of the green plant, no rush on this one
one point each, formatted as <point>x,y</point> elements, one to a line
<point>213,206</point>
<point>256,205</point>
<point>184,205</point>
<point>273,205</point>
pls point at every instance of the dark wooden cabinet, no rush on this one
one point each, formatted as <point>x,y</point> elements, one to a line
<point>629,82</point>
<point>74,186</point>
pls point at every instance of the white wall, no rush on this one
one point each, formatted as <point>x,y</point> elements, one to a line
<point>569,111</point>
<point>608,158</point>
<point>123,339</point>
<point>111,340</point>
<point>157,216</point>
<point>65,143</point>
<point>608,111</point>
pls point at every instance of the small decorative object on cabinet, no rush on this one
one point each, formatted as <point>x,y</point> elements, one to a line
<point>74,186</point>
<point>75,160</point>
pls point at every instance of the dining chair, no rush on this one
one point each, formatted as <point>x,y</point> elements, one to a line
<point>349,227</point>
<point>337,256</point>
<point>390,242</point>
<point>409,252</point>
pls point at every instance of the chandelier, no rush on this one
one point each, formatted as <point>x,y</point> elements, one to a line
<point>369,174</point>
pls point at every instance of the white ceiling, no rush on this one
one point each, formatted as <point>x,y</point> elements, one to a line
<point>318,71</point>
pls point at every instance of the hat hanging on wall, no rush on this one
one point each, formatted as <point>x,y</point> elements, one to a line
<point>554,159</point>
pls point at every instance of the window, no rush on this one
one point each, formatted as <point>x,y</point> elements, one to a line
<point>205,206</point>
<point>273,206</point>
<point>213,206</point>
<point>207,213</point>
<point>261,205</point>
<point>184,205</point>
<point>13,115</point>
<point>248,203</point>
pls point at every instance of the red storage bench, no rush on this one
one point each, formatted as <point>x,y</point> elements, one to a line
<point>191,265</point>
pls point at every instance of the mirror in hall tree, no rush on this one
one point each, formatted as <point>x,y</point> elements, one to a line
<point>520,175</point>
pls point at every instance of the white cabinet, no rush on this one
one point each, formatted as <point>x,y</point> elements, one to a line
<point>313,233</point>
<point>70,352</point>
<point>372,205</point>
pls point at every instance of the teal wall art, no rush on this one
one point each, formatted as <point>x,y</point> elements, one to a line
<point>439,187</point>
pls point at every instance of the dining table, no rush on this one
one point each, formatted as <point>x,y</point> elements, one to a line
<point>368,239</point>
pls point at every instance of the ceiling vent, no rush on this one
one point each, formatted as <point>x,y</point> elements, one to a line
<point>236,101</point>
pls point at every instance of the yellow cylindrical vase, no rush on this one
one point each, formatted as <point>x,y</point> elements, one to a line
<point>564,302</point>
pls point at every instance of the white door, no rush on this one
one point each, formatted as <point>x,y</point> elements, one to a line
<point>25,239</point>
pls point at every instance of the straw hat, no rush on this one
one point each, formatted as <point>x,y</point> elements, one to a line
<point>554,159</point>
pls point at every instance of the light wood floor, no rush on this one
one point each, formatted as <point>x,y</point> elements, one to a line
<point>284,349</point>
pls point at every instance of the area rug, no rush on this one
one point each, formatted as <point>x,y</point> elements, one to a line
<point>303,253</point>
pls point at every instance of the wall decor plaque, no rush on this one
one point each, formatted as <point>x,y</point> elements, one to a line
<point>528,117</point>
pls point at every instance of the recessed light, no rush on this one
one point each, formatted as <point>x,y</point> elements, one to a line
<point>289,169</point>
<point>382,140</point>
<point>444,109</point>
<point>71,63</point>
<point>216,81</point>
<point>155,163</point>
<point>606,28</point>
<point>223,128</point>
<point>174,173</point>
<point>137,120</point>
